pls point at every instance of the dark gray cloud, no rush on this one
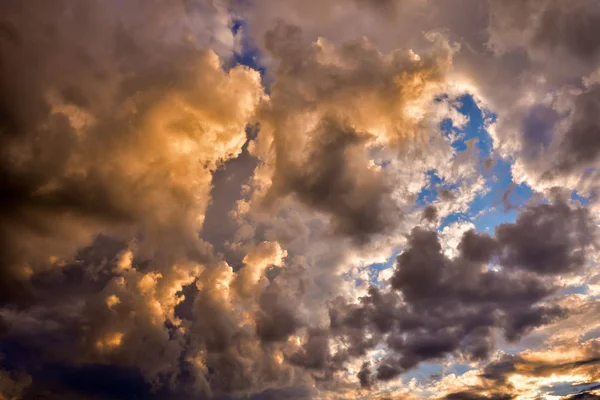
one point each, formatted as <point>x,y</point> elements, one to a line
<point>572,27</point>
<point>580,147</point>
<point>477,247</point>
<point>335,178</point>
<point>446,194</point>
<point>548,238</point>
<point>441,306</point>
<point>276,319</point>
<point>448,306</point>
<point>549,25</point>
<point>430,213</point>
<point>365,376</point>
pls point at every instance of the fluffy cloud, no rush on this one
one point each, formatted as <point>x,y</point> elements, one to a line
<point>452,305</point>
<point>135,132</point>
<point>176,224</point>
<point>328,106</point>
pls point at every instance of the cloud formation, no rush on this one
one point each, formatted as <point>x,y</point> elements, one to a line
<point>453,305</point>
<point>219,199</point>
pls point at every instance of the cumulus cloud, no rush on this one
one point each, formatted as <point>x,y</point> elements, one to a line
<point>328,106</point>
<point>579,147</point>
<point>228,199</point>
<point>446,306</point>
<point>559,238</point>
<point>135,131</point>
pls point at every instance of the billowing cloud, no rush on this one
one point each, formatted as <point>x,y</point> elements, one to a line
<point>220,199</point>
<point>328,106</point>
<point>453,305</point>
<point>134,129</point>
<point>559,239</point>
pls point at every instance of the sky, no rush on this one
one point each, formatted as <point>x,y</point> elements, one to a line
<point>299,199</point>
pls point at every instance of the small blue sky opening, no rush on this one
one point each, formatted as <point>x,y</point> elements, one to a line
<point>249,54</point>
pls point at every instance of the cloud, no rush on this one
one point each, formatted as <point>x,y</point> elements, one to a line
<point>581,145</point>
<point>557,238</point>
<point>474,396</point>
<point>583,396</point>
<point>453,305</point>
<point>560,364</point>
<point>174,224</point>
<point>573,362</point>
<point>119,106</point>
<point>256,262</point>
<point>13,384</point>
<point>328,106</point>
<point>430,213</point>
<point>551,29</point>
